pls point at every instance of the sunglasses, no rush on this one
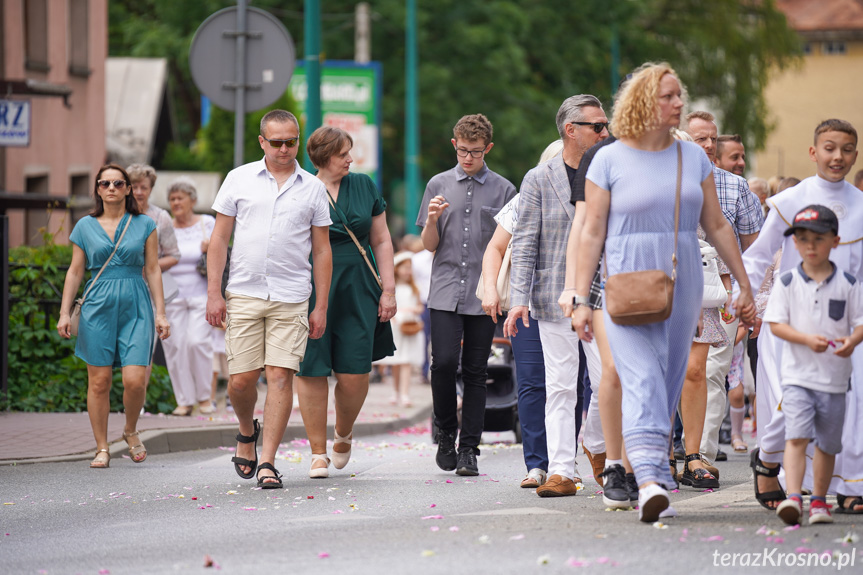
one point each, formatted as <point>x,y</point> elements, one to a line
<point>105,184</point>
<point>597,126</point>
<point>290,142</point>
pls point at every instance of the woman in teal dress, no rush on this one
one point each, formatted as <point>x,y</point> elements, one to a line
<point>358,329</point>
<point>117,316</point>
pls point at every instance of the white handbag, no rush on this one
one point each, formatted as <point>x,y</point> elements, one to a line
<point>714,290</point>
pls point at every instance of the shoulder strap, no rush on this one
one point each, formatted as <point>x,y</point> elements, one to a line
<point>117,245</point>
<point>676,218</point>
<point>677,210</point>
<point>356,241</point>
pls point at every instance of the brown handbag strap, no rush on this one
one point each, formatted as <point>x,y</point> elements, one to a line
<point>356,241</point>
<point>117,245</point>
<point>676,219</point>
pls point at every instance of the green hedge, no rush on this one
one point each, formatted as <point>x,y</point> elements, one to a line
<point>43,373</point>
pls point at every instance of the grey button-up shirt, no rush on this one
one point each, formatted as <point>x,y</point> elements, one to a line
<point>465,228</point>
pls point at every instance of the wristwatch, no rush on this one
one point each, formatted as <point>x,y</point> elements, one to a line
<point>579,300</point>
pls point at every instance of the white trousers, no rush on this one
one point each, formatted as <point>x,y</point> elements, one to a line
<point>718,365</point>
<point>189,350</point>
<point>560,350</point>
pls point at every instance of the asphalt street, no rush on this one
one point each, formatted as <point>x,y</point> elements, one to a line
<point>391,510</point>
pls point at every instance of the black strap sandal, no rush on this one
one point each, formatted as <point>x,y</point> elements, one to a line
<point>852,501</point>
<point>269,481</point>
<point>758,468</point>
<point>239,461</point>
<point>697,478</point>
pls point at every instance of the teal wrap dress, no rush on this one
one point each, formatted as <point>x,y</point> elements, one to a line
<point>117,323</point>
<point>354,337</point>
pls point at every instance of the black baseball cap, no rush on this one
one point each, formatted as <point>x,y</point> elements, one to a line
<point>820,219</point>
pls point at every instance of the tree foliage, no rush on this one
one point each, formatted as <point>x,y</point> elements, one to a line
<point>514,61</point>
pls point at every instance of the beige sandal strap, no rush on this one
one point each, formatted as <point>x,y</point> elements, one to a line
<point>133,434</point>
<point>320,457</point>
<point>339,439</point>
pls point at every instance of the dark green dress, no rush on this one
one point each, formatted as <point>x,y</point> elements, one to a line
<point>354,337</point>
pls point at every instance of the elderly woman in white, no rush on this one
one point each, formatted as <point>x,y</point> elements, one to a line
<point>189,354</point>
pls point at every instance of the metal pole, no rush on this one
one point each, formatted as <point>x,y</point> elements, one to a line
<point>412,121</point>
<point>240,102</point>
<point>313,69</point>
<point>362,45</point>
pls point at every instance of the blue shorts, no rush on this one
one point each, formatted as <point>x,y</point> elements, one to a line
<point>816,415</point>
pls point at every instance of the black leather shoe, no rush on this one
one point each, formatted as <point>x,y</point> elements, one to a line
<point>614,489</point>
<point>446,456</point>
<point>467,463</point>
<point>721,455</point>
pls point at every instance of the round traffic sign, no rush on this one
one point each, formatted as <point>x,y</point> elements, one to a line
<point>269,62</point>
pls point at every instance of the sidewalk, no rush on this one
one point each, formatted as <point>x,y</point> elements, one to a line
<point>47,437</point>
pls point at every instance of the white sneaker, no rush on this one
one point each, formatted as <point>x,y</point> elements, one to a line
<point>790,511</point>
<point>652,501</point>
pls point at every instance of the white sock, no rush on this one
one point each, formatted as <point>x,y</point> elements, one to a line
<point>613,462</point>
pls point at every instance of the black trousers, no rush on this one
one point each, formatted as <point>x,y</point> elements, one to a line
<point>448,328</point>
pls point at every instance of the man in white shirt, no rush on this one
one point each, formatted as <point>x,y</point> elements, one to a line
<point>281,215</point>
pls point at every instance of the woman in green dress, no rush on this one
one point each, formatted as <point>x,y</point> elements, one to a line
<point>358,329</point>
<point>117,323</point>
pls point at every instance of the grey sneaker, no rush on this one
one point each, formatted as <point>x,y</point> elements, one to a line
<point>446,457</point>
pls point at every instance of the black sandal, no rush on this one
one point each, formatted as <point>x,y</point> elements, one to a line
<point>698,478</point>
<point>852,500</point>
<point>758,468</point>
<point>239,461</point>
<point>275,481</point>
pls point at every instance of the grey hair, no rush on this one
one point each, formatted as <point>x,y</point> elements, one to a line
<point>570,110</point>
<point>279,116</point>
<point>183,184</point>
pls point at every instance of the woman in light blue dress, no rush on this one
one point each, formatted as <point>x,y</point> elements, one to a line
<point>116,323</point>
<point>630,199</point>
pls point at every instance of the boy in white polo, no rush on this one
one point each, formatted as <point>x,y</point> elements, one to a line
<point>817,310</point>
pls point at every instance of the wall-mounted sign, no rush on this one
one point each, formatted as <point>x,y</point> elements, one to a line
<point>15,123</point>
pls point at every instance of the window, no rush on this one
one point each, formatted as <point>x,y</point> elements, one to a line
<point>79,188</point>
<point>834,48</point>
<point>79,38</point>
<point>36,35</point>
<point>807,48</point>
<point>36,219</point>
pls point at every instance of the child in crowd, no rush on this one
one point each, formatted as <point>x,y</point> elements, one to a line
<point>817,309</point>
<point>407,331</point>
<point>834,152</point>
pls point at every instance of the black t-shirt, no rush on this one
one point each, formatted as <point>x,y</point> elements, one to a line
<point>572,174</point>
<point>578,184</point>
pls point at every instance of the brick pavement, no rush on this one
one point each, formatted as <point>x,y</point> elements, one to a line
<point>37,437</point>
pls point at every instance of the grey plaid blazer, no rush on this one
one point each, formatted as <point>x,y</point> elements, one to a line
<point>539,243</point>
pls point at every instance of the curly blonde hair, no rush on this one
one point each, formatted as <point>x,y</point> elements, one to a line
<point>635,108</point>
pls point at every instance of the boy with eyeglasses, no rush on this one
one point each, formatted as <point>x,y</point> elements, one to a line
<point>457,221</point>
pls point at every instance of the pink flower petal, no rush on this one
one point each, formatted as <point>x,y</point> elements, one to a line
<point>323,555</point>
<point>433,517</point>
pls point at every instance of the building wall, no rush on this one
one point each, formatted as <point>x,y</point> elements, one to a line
<point>65,142</point>
<point>825,86</point>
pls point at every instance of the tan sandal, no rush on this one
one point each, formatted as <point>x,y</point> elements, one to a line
<point>183,410</point>
<point>99,462</point>
<point>135,450</point>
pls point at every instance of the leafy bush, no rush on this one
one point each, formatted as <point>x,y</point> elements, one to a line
<point>44,374</point>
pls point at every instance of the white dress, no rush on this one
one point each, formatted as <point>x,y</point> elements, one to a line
<point>410,349</point>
